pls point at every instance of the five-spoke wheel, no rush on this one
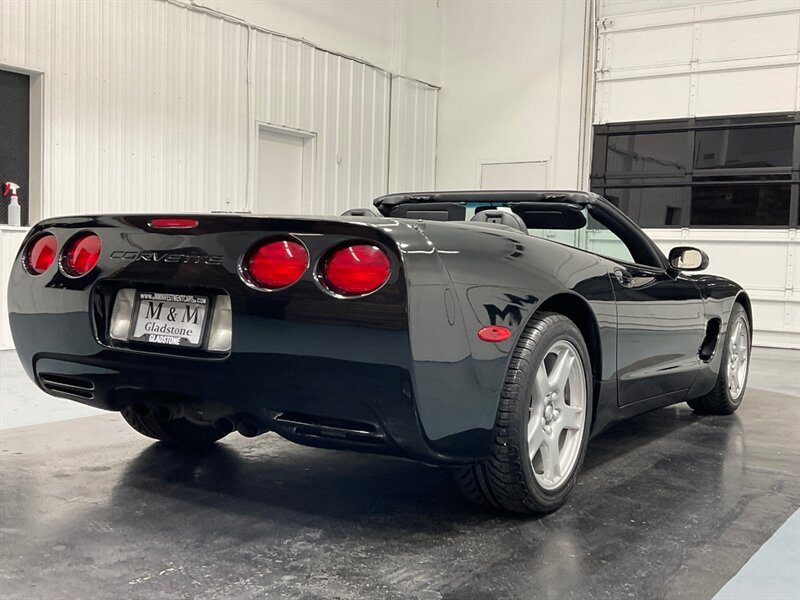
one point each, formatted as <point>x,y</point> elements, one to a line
<point>738,356</point>
<point>557,414</point>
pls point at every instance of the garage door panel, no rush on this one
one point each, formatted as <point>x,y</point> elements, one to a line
<point>769,316</point>
<point>741,39</point>
<point>642,99</point>
<point>746,92</point>
<point>650,47</point>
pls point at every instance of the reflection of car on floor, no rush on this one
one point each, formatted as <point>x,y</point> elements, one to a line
<point>489,331</point>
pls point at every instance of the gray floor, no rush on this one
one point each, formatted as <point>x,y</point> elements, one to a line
<point>773,572</point>
<point>669,505</point>
<point>22,403</point>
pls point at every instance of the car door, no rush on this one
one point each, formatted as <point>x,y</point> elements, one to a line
<point>660,313</point>
<point>660,327</point>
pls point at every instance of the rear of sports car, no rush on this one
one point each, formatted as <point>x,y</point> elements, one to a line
<point>225,322</point>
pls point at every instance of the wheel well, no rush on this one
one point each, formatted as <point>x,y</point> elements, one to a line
<point>744,300</point>
<point>579,312</point>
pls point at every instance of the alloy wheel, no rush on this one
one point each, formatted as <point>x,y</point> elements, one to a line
<point>738,358</point>
<point>557,415</point>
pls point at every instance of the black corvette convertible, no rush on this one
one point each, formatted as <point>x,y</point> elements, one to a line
<point>493,332</point>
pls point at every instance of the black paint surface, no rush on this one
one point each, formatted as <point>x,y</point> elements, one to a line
<point>668,505</point>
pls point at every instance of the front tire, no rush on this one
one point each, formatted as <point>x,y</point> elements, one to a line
<point>542,424</point>
<point>728,391</point>
<point>159,425</point>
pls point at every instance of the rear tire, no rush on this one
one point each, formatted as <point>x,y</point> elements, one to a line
<point>542,425</point>
<point>178,431</point>
<point>728,391</point>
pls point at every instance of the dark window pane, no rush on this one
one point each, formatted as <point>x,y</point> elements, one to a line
<point>599,156</point>
<point>652,207</point>
<point>741,179</point>
<point>658,153</point>
<point>746,147</point>
<point>14,120</point>
<point>740,205</point>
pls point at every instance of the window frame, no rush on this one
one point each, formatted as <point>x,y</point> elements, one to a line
<point>617,221</point>
<point>37,100</point>
<point>619,224</point>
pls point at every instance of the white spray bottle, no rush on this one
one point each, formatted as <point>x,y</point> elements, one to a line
<point>14,210</point>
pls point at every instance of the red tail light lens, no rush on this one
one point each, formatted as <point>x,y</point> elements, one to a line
<point>276,264</point>
<point>81,254</point>
<point>174,223</point>
<point>356,270</point>
<point>41,254</point>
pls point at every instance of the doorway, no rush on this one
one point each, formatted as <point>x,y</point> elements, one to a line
<point>284,171</point>
<point>14,145</point>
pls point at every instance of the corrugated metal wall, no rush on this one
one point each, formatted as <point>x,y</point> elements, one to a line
<point>412,146</point>
<point>152,105</point>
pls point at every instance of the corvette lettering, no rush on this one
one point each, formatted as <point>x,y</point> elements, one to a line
<point>167,257</point>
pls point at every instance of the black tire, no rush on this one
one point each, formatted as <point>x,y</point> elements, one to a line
<point>720,400</point>
<point>174,431</point>
<point>506,479</point>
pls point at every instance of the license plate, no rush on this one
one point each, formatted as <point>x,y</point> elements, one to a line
<point>170,319</point>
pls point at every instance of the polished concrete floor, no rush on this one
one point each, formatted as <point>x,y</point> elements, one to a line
<point>669,505</point>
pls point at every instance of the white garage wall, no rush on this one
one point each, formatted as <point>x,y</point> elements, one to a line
<point>511,89</point>
<point>152,106</point>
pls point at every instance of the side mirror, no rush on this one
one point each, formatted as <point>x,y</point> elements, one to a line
<point>686,258</point>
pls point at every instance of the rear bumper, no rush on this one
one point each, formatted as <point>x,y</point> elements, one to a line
<point>351,404</point>
<point>307,385</point>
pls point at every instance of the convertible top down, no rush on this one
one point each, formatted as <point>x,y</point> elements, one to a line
<point>493,332</point>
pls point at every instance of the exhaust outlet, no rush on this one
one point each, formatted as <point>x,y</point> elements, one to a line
<point>250,428</point>
<point>161,413</point>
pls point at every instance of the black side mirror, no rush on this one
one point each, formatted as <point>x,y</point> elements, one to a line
<point>686,258</point>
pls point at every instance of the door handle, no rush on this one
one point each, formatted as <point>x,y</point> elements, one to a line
<point>625,278</point>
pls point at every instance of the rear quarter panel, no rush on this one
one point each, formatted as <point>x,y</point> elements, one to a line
<point>469,277</point>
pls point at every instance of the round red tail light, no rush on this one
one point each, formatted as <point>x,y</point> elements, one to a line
<point>276,264</point>
<point>356,270</point>
<point>41,254</point>
<point>81,254</point>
